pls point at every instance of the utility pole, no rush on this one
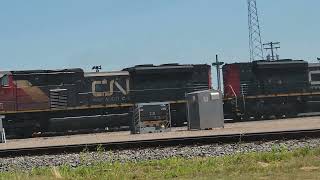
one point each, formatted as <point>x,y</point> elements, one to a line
<point>272,46</point>
<point>255,43</point>
<point>217,64</point>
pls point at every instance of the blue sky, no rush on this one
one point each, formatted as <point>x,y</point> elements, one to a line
<point>43,34</point>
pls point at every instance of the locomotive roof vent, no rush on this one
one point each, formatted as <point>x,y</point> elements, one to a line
<point>144,65</point>
<point>170,64</point>
<point>109,73</point>
<point>56,71</point>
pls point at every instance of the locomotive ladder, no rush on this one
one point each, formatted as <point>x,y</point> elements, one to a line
<point>2,131</point>
<point>136,119</point>
<point>244,89</point>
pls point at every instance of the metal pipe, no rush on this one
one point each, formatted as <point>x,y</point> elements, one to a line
<point>218,74</point>
<point>217,64</point>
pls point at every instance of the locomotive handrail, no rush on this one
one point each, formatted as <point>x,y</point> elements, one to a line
<point>235,95</point>
<point>3,136</point>
<point>2,131</point>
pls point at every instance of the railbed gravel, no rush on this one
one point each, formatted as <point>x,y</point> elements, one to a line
<point>26,163</point>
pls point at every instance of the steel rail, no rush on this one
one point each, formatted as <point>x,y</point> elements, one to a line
<point>185,141</point>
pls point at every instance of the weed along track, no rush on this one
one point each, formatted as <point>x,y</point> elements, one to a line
<point>87,158</point>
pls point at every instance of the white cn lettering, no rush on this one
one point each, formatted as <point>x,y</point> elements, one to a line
<point>112,83</point>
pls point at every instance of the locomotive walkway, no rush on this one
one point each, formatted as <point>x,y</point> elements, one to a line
<point>244,131</point>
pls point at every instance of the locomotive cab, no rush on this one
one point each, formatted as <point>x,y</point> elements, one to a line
<point>6,91</point>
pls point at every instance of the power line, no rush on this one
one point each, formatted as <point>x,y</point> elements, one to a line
<point>272,46</point>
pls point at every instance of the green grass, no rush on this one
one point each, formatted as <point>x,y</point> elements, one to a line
<point>279,164</point>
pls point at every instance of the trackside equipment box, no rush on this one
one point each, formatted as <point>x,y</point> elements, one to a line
<point>151,118</point>
<point>205,109</point>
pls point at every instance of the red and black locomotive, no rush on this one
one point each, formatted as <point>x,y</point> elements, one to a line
<point>71,99</point>
<point>271,89</point>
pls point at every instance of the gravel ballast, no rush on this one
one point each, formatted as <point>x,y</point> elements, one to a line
<point>26,163</point>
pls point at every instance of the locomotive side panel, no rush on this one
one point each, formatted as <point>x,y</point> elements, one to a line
<point>284,76</point>
<point>168,82</point>
<point>154,84</point>
<point>103,101</point>
<point>31,90</point>
<point>313,101</point>
<point>105,88</point>
<point>314,76</point>
<point>201,78</point>
<point>231,80</point>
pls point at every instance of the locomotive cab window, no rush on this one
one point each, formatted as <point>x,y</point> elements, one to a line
<point>314,77</point>
<point>5,80</point>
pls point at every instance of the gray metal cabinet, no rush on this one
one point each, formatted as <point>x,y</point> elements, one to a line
<point>205,109</point>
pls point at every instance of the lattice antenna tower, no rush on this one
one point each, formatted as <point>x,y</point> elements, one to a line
<point>255,43</point>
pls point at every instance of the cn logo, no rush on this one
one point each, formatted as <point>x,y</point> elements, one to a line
<point>107,88</point>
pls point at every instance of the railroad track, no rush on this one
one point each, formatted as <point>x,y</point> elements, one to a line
<point>300,115</point>
<point>231,138</point>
